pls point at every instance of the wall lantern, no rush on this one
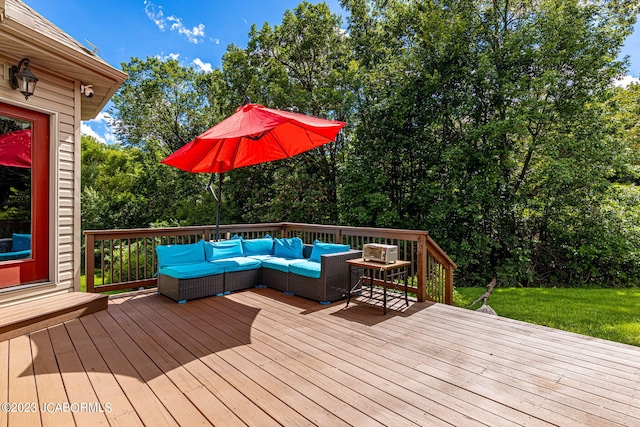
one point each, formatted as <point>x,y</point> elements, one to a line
<point>23,79</point>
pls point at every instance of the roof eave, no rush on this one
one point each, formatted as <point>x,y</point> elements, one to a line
<point>68,62</point>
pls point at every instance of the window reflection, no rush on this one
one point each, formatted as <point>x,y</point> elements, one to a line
<point>15,189</point>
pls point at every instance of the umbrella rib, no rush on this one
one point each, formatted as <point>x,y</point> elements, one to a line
<point>255,138</point>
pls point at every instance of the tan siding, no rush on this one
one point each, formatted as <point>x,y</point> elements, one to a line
<point>55,95</point>
<point>65,183</point>
<point>61,64</point>
<point>66,129</point>
<point>65,167</point>
<point>65,211</point>
<point>66,156</point>
<point>66,174</point>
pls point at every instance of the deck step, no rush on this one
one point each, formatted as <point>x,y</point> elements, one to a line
<point>27,317</point>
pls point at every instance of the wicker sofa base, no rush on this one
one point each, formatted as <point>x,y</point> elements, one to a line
<point>182,290</point>
<point>313,289</point>
<point>275,279</point>
<point>239,280</point>
<point>334,283</point>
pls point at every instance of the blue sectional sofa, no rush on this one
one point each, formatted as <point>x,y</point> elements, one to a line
<point>202,269</point>
<point>16,247</point>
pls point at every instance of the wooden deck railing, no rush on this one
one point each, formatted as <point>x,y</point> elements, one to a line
<point>126,259</point>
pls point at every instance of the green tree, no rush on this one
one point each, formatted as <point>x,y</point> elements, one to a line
<point>484,123</point>
<point>162,106</point>
<point>109,176</point>
<point>303,65</point>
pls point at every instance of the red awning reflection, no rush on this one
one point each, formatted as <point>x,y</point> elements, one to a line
<point>15,149</point>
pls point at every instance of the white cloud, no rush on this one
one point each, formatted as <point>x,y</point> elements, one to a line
<point>99,128</point>
<point>202,66</point>
<point>85,129</point>
<point>195,34</point>
<point>156,15</point>
<point>626,80</point>
<point>169,56</point>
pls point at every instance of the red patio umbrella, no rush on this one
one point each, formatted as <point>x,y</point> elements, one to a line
<point>253,134</point>
<point>15,149</point>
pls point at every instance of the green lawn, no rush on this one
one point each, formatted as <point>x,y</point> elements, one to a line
<point>611,314</point>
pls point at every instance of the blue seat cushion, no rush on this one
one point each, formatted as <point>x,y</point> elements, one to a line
<point>306,268</point>
<point>20,242</point>
<point>260,257</point>
<point>190,253</point>
<point>223,249</point>
<point>263,246</point>
<point>321,248</point>
<point>238,264</point>
<point>288,248</point>
<point>279,264</point>
<point>7,256</point>
<point>192,271</point>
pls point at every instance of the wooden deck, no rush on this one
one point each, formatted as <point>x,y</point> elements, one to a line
<point>23,318</point>
<point>262,358</point>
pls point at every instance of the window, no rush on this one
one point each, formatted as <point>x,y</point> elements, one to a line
<point>24,196</point>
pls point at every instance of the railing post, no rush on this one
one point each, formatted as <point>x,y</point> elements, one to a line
<point>448,296</point>
<point>89,261</point>
<point>422,267</point>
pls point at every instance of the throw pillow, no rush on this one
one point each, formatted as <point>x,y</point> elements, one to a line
<point>223,249</point>
<point>263,246</point>
<point>21,242</point>
<point>288,248</point>
<point>321,248</point>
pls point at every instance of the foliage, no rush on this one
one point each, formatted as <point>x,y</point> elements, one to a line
<point>161,107</point>
<point>303,65</point>
<point>486,124</point>
<point>495,126</point>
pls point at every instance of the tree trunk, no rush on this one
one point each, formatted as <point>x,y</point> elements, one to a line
<point>484,308</point>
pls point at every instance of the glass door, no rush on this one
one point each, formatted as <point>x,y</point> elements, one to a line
<point>24,196</point>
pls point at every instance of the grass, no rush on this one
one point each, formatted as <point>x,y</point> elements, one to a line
<point>97,280</point>
<point>610,314</point>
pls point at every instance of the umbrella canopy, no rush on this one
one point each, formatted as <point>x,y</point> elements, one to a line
<point>15,149</point>
<point>253,134</point>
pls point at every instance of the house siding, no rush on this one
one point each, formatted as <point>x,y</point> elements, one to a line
<point>58,98</point>
<point>62,64</point>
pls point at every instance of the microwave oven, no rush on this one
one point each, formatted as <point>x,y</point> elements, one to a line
<point>387,254</point>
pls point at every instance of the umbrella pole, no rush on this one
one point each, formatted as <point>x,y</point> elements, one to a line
<point>218,198</point>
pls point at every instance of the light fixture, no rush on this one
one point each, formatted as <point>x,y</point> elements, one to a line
<point>23,79</point>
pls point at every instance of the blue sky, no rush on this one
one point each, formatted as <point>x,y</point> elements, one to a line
<point>196,32</point>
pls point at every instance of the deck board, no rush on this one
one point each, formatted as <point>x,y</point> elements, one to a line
<point>26,317</point>
<point>262,358</point>
<point>385,362</point>
<point>48,380</point>
<point>402,370</point>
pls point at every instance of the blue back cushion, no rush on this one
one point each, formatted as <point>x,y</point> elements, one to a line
<point>288,248</point>
<point>223,249</point>
<point>321,248</point>
<point>262,246</point>
<point>180,254</point>
<point>21,242</point>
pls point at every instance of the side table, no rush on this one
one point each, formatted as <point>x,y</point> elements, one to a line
<point>390,272</point>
